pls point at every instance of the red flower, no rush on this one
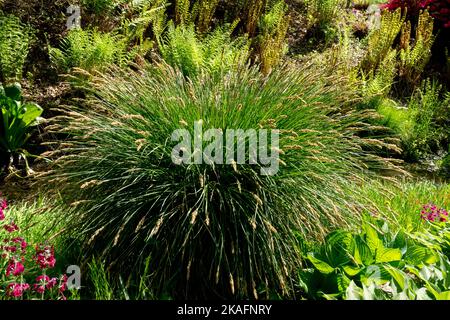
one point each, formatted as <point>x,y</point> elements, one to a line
<point>16,289</point>
<point>11,227</point>
<point>15,268</point>
<point>45,257</point>
<point>63,285</point>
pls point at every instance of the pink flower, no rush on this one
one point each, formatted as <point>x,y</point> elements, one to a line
<point>63,285</point>
<point>15,268</point>
<point>16,289</point>
<point>45,257</point>
<point>11,227</point>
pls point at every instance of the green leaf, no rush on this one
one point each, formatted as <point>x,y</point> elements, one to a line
<point>32,112</point>
<point>399,276</point>
<point>320,265</point>
<point>14,91</point>
<point>372,239</point>
<point>351,271</point>
<point>342,283</point>
<point>444,295</point>
<point>388,255</point>
<point>417,255</point>
<point>363,255</point>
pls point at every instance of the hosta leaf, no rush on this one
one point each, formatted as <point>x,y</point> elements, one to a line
<point>399,276</point>
<point>32,112</point>
<point>388,255</point>
<point>363,255</point>
<point>320,265</point>
<point>14,92</point>
<point>372,239</point>
<point>351,271</point>
<point>339,248</point>
<point>342,283</point>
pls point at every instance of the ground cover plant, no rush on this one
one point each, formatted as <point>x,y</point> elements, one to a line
<point>211,149</point>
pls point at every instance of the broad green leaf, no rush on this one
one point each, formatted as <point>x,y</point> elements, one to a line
<point>351,271</point>
<point>32,112</point>
<point>388,255</point>
<point>363,255</point>
<point>399,276</point>
<point>320,265</point>
<point>417,255</point>
<point>372,239</point>
<point>342,283</point>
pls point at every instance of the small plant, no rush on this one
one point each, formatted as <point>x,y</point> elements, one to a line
<point>100,7</point>
<point>272,45</point>
<point>15,40</point>
<point>89,50</point>
<point>430,107</point>
<point>380,41</point>
<point>17,120</point>
<point>215,52</point>
<point>322,13</point>
<point>414,58</point>
<point>255,10</point>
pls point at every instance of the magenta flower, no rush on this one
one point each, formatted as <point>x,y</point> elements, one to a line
<point>431,212</point>
<point>45,257</point>
<point>11,227</point>
<point>16,289</point>
<point>15,268</point>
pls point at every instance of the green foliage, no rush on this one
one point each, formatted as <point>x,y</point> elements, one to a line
<point>15,40</point>
<point>16,121</point>
<point>100,7</point>
<point>378,83</point>
<point>255,10</point>
<point>144,14</point>
<point>182,13</point>
<point>216,52</point>
<point>322,13</point>
<point>380,41</point>
<point>401,203</point>
<point>89,50</point>
<point>204,10</point>
<point>377,264</point>
<point>100,281</point>
<point>430,108</point>
<point>222,228</point>
<point>274,26</point>
<point>413,59</point>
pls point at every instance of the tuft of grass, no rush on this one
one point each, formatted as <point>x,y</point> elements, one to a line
<point>212,230</point>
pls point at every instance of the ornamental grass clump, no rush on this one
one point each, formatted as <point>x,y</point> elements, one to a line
<point>211,230</point>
